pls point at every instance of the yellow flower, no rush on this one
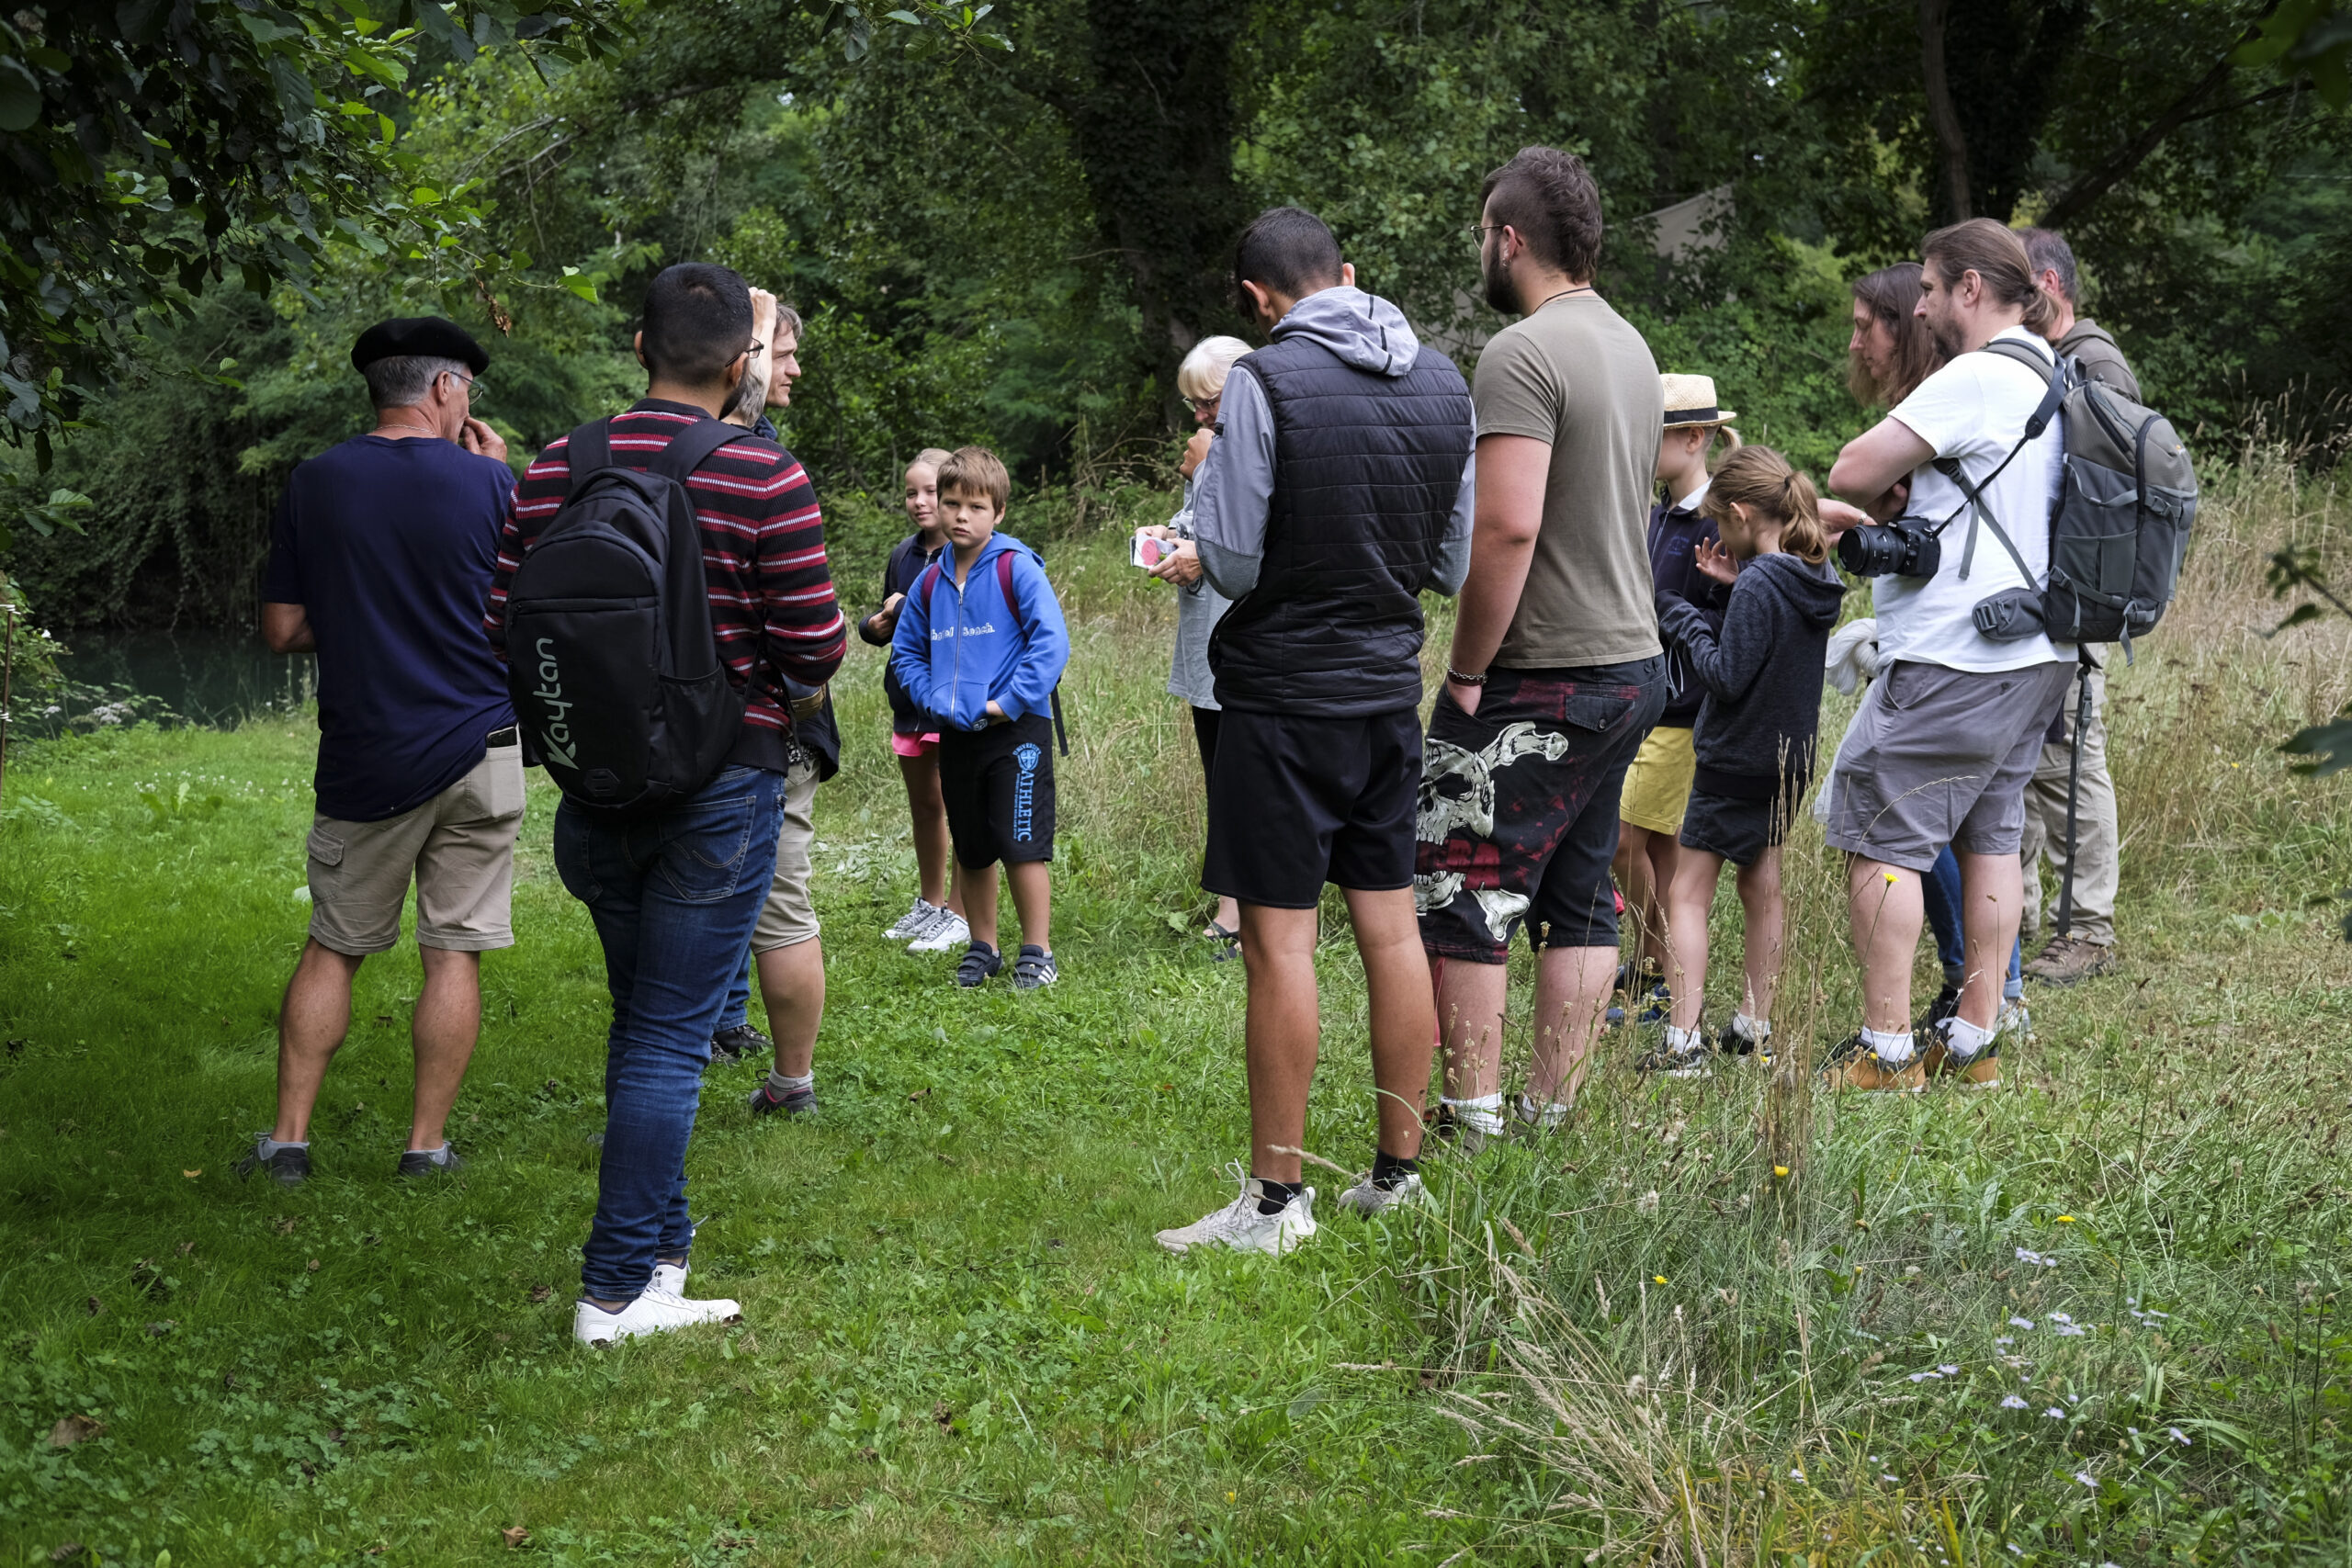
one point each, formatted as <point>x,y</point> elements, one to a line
<point>1228,1496</point>
<point>2066,1219</point>
<point>1657,1278</point>
<point>1780,1170</point>
<point>1890,878</point>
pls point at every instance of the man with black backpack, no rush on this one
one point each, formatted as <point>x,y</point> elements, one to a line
<point>662,579</point>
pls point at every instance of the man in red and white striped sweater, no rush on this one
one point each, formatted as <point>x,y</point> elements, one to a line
<point>675,895</point>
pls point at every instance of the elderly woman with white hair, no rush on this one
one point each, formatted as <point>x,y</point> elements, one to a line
<point>1201,381</point>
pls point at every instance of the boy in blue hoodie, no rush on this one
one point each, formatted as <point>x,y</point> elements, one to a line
<point>980,645</point>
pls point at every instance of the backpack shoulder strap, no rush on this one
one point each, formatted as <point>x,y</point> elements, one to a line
<point>692,447</point>
<point>587,449</point>
<point>2053,379</point>
<point>928,584</point>
<point>1012,603</point>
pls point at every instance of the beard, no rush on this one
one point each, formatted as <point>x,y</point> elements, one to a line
<point>1947,337</point>
<point>1495,279</point>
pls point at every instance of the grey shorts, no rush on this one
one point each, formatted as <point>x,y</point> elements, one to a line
<point>458,848</point>
<point>789,917</point>
<point>1939,757</point>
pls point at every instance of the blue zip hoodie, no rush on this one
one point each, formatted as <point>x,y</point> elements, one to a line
<point>956,649</point>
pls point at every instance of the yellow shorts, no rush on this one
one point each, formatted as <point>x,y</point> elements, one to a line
<point>1657,781</point>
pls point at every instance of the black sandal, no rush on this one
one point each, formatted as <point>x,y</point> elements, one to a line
<point>1230,939</point>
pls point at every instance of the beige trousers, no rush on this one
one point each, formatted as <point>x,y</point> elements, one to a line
<point>2096,837</point>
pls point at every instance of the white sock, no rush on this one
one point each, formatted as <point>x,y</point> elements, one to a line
<point>1483,1114</point>
<point>1757,1029</point>
<point>1964,1039</point>
<point>270,1147</point>
<point>779,1086</point>
<point>1683,1042</point>
<point>1551,1115</point>
<point>1893,1049</point>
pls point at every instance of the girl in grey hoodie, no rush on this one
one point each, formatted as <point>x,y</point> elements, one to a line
<point>1755,735</point>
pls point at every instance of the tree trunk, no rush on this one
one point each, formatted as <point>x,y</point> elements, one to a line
<point>1951,146</point>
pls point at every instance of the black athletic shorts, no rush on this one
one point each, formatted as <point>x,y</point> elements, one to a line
<point>1297,802</point>
<point>999,785</point>
<point>1519,808</point>
<point>1740,829</point>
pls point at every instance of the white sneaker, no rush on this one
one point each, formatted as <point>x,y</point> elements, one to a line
<point>946,934</point>
<point>1367,1199</point>
<point>670,1278</point>
<point>914,922</point>
<point>653,1312</point>
<point>2014,1021</point>
<point>1240,1226</point>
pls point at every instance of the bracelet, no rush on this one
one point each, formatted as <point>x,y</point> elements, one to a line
<point>1456,678</point>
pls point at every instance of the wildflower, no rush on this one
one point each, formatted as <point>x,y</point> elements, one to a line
<point>2016,1547</point>
<point>2053,1414</point>
<point>2084,1476</point>
<point>1890,878</point>
<point>2060,1317</point>
<point>2066,1219</point>
<point>1884,1476</point>
<point>1780,1170</point>
<point>2071,1332</point>
<point>1657,1278</point>
<point>2006,1339</point>
<point>2011,1401</point>
<point>1924,1377</point>
<point>2020,1323</point>
<point>1796,1475</point>
<point>2177,1436</point>
<point>1949,1371</point>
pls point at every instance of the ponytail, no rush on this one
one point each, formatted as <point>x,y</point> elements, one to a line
<point>1759,478</point>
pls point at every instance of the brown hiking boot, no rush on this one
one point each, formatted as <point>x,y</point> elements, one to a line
<point>2068,959</point>
<point>1852,1065</point>
<point>1981,1071</point>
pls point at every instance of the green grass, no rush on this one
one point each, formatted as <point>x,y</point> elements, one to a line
<point>959,1343</point>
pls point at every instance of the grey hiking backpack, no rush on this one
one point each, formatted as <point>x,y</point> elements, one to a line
<point>2120,529</point>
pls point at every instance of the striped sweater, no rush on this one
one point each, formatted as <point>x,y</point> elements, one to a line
<point>763,554</point>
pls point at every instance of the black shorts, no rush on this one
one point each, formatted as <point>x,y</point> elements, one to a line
<point>1519,808</point>
<point>1738,830</point>
<point>999,785</point>
<point>1297,802</point>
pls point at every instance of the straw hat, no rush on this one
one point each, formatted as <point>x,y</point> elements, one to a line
<point>1690,401</point>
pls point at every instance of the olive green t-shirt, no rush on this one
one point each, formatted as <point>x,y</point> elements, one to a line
<point>1576,375</point>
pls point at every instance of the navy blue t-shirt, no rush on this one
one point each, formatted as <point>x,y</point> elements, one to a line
<point>388,546</point>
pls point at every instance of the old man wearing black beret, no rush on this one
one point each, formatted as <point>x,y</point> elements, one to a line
<point>380,561</point>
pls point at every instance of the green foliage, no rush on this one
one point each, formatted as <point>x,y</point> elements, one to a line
<point>2299,36</point>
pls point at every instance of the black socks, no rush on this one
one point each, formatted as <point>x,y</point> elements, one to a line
<point>1388,1172</point>
<point>1276,1195</point>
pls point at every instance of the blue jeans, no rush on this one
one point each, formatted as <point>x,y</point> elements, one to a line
<point>674,897</point>
<point>1940,889</point>
<point>736,1010</point>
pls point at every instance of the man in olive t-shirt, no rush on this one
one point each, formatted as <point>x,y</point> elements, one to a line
<point>1556,671</point>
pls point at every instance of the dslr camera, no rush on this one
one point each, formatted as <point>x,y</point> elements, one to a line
<point>1904,548</point>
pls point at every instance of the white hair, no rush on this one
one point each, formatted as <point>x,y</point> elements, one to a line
<point>1203,371</point>
<point>403,380</point>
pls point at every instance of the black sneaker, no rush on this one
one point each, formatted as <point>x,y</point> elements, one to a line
<point>442,1161</point>
<point>981,964</point>
<point>734,1044</point>
<point>1034,969</point>
<point>1946,1005</point>
<point>1637,977</point>
<point>1737,1042</point>
<point>798,1102</point>
<point>1449,1128</point>
<point>1660,1008</point>
<point>1690,1062</point>
<point>288,1168</point>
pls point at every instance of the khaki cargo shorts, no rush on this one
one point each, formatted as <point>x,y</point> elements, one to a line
<point>460,848</point>
<point>789,917</point>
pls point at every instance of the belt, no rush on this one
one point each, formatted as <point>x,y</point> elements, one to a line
<point>506,737</point>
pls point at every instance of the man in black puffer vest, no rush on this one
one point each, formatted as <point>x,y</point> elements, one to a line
<point>1338,490</point>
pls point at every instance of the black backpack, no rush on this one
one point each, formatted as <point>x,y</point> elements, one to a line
<point>2119,533</point>
<point>610,657</point>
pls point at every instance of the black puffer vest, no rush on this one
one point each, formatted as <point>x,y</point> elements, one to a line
<point>1366,470</point>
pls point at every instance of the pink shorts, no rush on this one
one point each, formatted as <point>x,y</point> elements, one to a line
<point>913,745</point>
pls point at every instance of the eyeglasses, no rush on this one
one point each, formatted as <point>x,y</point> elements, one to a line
<point>1478,233</point>
<point>1203,405</point>
<point>474,385</point>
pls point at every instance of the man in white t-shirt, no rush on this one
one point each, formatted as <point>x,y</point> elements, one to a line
<point>1943,746</point>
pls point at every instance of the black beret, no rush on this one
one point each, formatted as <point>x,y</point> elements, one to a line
<point>428,336</point>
